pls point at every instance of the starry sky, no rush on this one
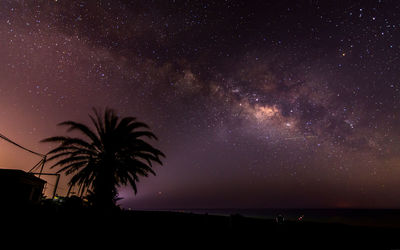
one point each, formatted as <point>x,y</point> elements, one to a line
<point>257,104</point>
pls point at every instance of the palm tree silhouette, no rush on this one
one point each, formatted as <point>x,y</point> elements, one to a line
<point>113,155</point>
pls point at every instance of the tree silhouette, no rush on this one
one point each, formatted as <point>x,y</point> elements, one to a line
<point>114,154</point>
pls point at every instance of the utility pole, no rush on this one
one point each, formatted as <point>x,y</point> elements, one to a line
<point>42,166</point>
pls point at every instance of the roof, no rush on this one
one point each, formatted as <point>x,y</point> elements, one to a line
<point>19,176</point>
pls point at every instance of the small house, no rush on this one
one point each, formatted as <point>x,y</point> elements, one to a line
<point>18,187</point>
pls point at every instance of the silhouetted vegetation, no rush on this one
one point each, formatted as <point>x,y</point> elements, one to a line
<point>70,219</point>
<point>113,154</point>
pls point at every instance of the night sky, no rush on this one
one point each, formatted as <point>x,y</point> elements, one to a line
<point>257,104</point>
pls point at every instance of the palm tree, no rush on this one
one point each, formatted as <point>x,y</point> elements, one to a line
<point>112,155</point>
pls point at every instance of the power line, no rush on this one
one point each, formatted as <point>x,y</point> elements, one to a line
<point>39,164</point>
<point>16,144</point>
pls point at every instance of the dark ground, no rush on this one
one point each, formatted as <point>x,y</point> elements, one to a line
<point>132,229</point>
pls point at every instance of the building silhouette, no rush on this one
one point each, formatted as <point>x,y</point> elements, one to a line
<point>18,187</point>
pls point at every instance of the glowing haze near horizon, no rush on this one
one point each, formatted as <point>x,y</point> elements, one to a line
<point>255,104</point>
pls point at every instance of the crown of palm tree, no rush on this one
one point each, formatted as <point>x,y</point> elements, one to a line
<point>112,155</point>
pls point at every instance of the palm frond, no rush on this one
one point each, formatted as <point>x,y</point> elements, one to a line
<point>82,128</point>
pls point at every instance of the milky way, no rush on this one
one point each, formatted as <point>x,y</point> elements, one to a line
<point>255,104</point>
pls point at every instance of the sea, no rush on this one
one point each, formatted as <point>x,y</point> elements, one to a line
<point>357,217</point>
